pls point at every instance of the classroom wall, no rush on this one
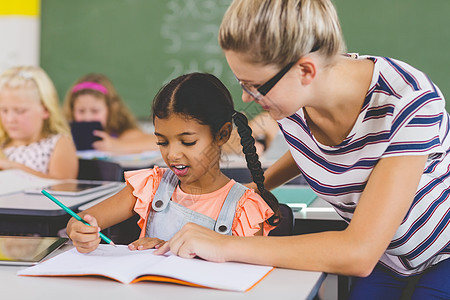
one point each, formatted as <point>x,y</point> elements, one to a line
<point>141,44</point>
<point>415,31</point>
<point>19,33</point>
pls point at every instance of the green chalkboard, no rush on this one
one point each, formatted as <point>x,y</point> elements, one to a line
<point>414,31</point>
<point>141,44</point>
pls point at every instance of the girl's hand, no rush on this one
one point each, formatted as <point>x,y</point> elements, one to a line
<point>6,164</point>
<point>84,237</point>
<point>107,142</point>
<point>146,243</point>
<point>195,240</point>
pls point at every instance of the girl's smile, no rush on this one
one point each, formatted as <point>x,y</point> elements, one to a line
<point>180,170</point>
<point>190,151</point>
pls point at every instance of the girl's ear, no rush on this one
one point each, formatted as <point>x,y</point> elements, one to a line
<point>224,134</point>
<point>45,113</point>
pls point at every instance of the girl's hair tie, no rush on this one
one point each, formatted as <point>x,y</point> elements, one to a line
<point>90,85</point>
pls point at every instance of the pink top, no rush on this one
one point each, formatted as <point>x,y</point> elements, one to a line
<point>251,209</point>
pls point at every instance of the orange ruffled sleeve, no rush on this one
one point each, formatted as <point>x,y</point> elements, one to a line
<point>145,182</point>
<point>251,211</point>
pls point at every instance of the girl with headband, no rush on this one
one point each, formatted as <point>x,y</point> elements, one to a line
<point>94,98</point>
<point>369,134</point>
<point>34,136</point>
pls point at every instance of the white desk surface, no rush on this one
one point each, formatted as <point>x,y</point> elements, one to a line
<point>279,284</point>
<point>319,209</point>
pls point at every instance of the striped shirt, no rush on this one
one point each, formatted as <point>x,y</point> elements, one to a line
<point>403,114</point>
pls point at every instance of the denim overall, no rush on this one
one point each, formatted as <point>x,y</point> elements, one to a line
<point>167,217</point>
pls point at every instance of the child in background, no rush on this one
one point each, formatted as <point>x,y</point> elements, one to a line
<point>193,117</point>
<point>34,135</point>
<point>94,98</point>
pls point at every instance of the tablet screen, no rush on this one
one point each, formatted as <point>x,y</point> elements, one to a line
<point>82,133</point>
<point>75,187</point>
<point>72,187</point>
<point>25,250</point>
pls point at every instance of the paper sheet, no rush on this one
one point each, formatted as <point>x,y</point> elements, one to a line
<point>14,181</point>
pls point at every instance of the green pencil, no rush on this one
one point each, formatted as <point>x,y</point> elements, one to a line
<point>71,212</point>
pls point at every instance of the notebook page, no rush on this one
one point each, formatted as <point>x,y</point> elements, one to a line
<point>226,276</point>
<point>118,263</point>
<point>125,265</point>
<point>14,181</point>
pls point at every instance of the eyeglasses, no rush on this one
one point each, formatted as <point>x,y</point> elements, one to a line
<point>261,91</point>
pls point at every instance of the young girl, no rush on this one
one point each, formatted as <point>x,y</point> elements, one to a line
<point>369,134</point>
<point>193,119</point>
<point>34,136</point>
<point>94,98</point>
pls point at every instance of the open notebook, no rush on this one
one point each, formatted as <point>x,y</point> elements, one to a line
<point>123,265</point>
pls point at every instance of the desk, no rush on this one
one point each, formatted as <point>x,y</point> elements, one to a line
<point>22,213</point>
<point>279,284</point>
<point>142,160</point>
<point>317,217</point>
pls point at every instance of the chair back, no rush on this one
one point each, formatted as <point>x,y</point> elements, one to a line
<point>91,169</point>
<point>286,225</point>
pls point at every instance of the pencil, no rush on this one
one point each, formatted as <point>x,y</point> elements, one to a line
<point>73,214</point>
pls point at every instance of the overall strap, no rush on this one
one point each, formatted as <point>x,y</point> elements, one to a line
<point>165,190</point>
<point>226,216</point>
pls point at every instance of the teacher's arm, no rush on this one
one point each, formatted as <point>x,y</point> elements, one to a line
<point>354,251</point>
<point>283,170</point>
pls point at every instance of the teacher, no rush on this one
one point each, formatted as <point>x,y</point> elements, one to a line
<point>369,134</point>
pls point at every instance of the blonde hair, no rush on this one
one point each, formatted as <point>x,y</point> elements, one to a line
<point>30,77</point>
<point>119,118</point>
<point>282,31</point>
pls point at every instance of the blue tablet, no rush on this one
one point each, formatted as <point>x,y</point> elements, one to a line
<point>83,134</point>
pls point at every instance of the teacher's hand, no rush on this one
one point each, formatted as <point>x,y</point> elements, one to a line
<point>195,240</point>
